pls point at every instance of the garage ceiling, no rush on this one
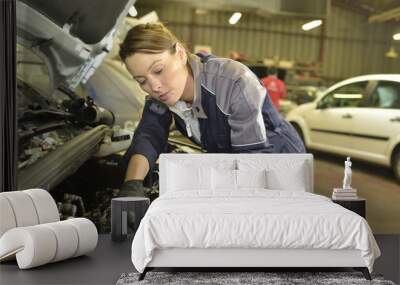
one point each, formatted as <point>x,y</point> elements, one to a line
<point>375,10</point>
<point>304,8</point>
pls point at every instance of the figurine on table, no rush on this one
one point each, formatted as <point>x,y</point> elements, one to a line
<point>347,174</point>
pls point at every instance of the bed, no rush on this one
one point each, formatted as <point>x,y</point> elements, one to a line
<point>247,210</point>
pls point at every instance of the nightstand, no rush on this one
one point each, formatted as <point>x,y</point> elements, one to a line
<point>126,214</point>
<point>356,205</point>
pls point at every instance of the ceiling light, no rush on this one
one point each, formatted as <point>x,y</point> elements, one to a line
<point>235,18</point>
<point>396,37</point>
<point>311,25</point>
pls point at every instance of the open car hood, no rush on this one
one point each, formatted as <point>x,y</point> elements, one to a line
<point>72,37</point>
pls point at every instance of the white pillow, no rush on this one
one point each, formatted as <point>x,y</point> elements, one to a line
<point>290,180</point>
<point>251,178</point>
<point>188,177</point>
<point>282,174</point>
<point>224,179</point>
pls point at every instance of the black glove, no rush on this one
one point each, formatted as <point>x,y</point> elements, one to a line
<point>132,187</point>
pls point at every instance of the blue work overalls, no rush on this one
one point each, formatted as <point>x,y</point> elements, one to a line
<point>235,115</point>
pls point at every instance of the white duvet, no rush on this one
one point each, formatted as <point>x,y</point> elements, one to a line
<point>250,219</point>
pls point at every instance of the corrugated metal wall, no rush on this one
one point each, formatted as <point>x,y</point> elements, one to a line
<point>352,46</point>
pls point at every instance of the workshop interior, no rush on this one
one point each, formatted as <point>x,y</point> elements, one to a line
<point>70,108</point>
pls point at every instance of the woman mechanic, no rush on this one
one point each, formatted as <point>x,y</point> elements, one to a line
<point>216,102</point>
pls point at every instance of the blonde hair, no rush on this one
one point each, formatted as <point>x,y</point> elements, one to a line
<point>148,38</point>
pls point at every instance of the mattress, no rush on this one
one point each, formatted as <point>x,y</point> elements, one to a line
<point>250,219</point>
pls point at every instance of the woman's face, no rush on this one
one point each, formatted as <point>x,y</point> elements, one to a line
<point>162,75</point>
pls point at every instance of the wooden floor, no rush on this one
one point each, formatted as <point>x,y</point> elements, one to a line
<point>106,264</point>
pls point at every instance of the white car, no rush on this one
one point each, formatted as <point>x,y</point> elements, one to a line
<point>357,117</point>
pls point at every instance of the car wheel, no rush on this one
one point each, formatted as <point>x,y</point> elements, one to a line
<point>396,164</point>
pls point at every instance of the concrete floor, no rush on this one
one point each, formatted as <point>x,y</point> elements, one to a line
<point>106,264</point>
<point>375,183</point>
<point>102,266</point>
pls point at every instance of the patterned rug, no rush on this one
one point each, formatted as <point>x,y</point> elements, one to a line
<point>242,278</point>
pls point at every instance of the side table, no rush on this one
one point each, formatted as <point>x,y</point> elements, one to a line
<point>358,205</point>
<point>126,214</point>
